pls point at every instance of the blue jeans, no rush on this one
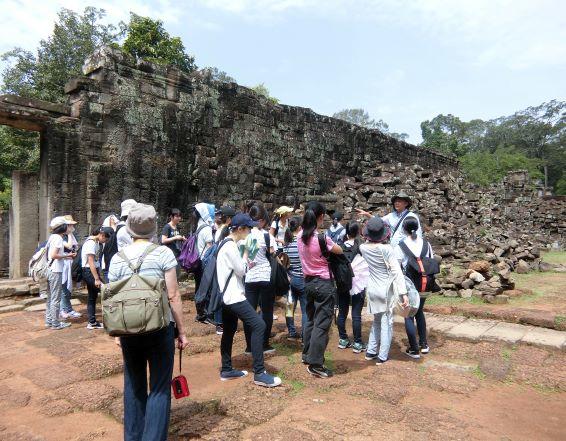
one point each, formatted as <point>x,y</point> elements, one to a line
<point>298,293</point>
<point>421,327</point>
<point>66,299</point>
<point>344,300</point>
<point>146,417</point>
<point>380,334</point>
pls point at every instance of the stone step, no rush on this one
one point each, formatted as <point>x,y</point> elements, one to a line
<point>41,306</point>
<point>18,281</point>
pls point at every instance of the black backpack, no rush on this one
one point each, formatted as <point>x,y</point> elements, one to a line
<point>77,266</point>
<point>208,296</point>
<point>351,252</point>
<point>339,265</point>
<point>279,277</point>
<point>111,247</point>
<point>421,269</point>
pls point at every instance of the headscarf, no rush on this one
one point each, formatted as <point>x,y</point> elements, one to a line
<point>206,212</point>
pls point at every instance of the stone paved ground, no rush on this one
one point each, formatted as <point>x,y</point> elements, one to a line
<point>66,385</point>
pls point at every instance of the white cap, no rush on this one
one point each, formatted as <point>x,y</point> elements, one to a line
<point>126,206</point>
<point>57,222</point>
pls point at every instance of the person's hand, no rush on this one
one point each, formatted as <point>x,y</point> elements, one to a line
<point>363,212</point>
<point>97,283</point>
<point>405,301</point>
<point>117,341</point>
<point>72,255</point>
<point>182,341</point>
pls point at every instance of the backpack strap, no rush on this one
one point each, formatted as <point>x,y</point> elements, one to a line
<point>267,240</point>
<point>406,249</point>
<point>400,222</point>
<point>135,268</point>
<point>425,249</point>
<point>231,272</point>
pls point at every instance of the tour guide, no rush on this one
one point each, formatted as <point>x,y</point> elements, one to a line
<point>401,203</point>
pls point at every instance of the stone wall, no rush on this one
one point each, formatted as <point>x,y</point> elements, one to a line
<point>4,243</point>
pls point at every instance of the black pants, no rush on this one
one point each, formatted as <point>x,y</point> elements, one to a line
<point>421,327</point>
<point>201,313</point>
<point>261,294</point>
<point>250,318</point>
<point>92,295</point>
<point>357,301</point>
<point>320,309</point>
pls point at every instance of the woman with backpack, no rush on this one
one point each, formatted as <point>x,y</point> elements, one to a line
<point>259,291</point>
<point>296,278</point>
<point>410,248</point>
<point>146,416</point>
<point>351,249</point>
<point>90,258</point>
<point>319,288</point>
<point>230,271</point>
<point>386,280</point>
<point>279,225</point>
<point>56,257</point>
<point>70,245</point>
<point>203,217</point>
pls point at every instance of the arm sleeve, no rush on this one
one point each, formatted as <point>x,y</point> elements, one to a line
<point>167,258</point>
<point>238,264</point>
<point>165,230</point>
<point>398,277</point>
<point>207,235</point>
<point>329,243</point>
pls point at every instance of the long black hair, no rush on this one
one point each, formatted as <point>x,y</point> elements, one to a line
<point>314,210</point>
<point>411,225</point>
<point>293,225</point>
<point>352,229</point>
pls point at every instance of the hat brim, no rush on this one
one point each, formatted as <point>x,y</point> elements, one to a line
<point>247,224</point>
<point>140,236</point>
<point>408,200</point>
<point>381,237</point>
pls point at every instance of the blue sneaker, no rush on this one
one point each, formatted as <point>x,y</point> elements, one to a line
<point>266,380</point>
<point>234,374</point>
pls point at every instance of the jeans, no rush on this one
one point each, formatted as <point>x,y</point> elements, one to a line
<point>344,300</point>
<point>53,301</point>
<point>66,299</point>
<point>250,318</point>
<point>380,334</point>
<point>92,295</point>
<point>146,417</point>
<point>201,313</point>
<point>260,294</point>
<point>298,293</point>
<point>421,327</point>
<point>320,310</point>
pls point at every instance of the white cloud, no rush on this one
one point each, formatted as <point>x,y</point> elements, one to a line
<point>516,33</point>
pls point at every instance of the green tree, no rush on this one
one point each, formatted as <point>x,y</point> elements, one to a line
<point>361,117</point>
<point>218,75</point>
<point>148,40</point>
<point>260,89</point>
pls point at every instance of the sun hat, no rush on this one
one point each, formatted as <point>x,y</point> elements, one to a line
<point>376,230</point>
<point>242,220</point>
<point>107,231</point>
<point>227,210</point>
<point>284,209</point>
<point>70,220</point>
<point>404,196</point>
<point>126,206</point>
<point>142,222</point>
<point>57,222</point>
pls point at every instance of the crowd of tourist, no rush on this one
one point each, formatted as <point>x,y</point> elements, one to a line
<point>245,243</point>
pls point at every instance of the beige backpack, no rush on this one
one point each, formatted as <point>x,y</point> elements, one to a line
<point>137,304</point>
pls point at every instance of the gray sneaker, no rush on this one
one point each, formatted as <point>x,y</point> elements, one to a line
<point>61,325</point>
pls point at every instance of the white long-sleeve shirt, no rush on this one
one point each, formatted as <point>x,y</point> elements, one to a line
<point>229,260</point>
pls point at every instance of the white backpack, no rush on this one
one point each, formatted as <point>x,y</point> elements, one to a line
<point>39,265</point>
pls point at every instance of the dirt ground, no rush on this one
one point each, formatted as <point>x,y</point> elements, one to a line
<point>66,385</point>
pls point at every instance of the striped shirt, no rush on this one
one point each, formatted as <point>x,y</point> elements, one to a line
<point>292,250</point>
<point>154,265</point>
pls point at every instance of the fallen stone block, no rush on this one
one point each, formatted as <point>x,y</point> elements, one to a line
<point>507,332</point>
<point>21,290</point>
<point>545,338</point>
<point>11,308</point>
<point>470,330</point>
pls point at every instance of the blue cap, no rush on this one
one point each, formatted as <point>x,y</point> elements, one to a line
<point>242,220</point>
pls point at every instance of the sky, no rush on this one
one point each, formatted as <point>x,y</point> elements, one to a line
<point>403,61</point>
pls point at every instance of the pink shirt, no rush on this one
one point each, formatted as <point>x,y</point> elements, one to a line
<point>314,263</point>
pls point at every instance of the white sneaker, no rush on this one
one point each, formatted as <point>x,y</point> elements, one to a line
<point>64,315</point>
<point>75,314</point>
<point>61,325</point>
<point>96,325</point>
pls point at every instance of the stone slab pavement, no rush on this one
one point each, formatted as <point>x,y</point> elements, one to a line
<point>475,330</point>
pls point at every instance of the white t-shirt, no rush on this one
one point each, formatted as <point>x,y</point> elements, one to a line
<point>55,242</point>
<point>90,247</point>
<point>229,260</point>
<point>123,238</point>
<point>261,271</point>
<point>280,232</point>
<point>204,236</point>
<point>415,246</point>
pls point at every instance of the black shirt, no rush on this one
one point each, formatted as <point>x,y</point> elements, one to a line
<point>169,232</point>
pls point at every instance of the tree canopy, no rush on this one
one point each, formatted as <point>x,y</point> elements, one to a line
<point>362,118</point>
<point>261,89</point>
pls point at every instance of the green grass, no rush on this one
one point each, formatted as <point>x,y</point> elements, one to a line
<point>441,300</point>
<point>286,351</point>
<point>560,321</point>
<point>329,360</point>
<point>478,373</point>
<point>554,257</point>
<point>506,353</point>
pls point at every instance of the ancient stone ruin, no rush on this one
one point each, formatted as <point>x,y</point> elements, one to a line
<point>137,130</point>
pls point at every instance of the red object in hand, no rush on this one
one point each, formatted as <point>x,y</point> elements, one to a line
<point>179,384</point>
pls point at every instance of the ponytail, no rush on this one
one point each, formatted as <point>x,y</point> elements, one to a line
<point>292,226</point>
<point>411,226</point>
<point>313,212</point>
